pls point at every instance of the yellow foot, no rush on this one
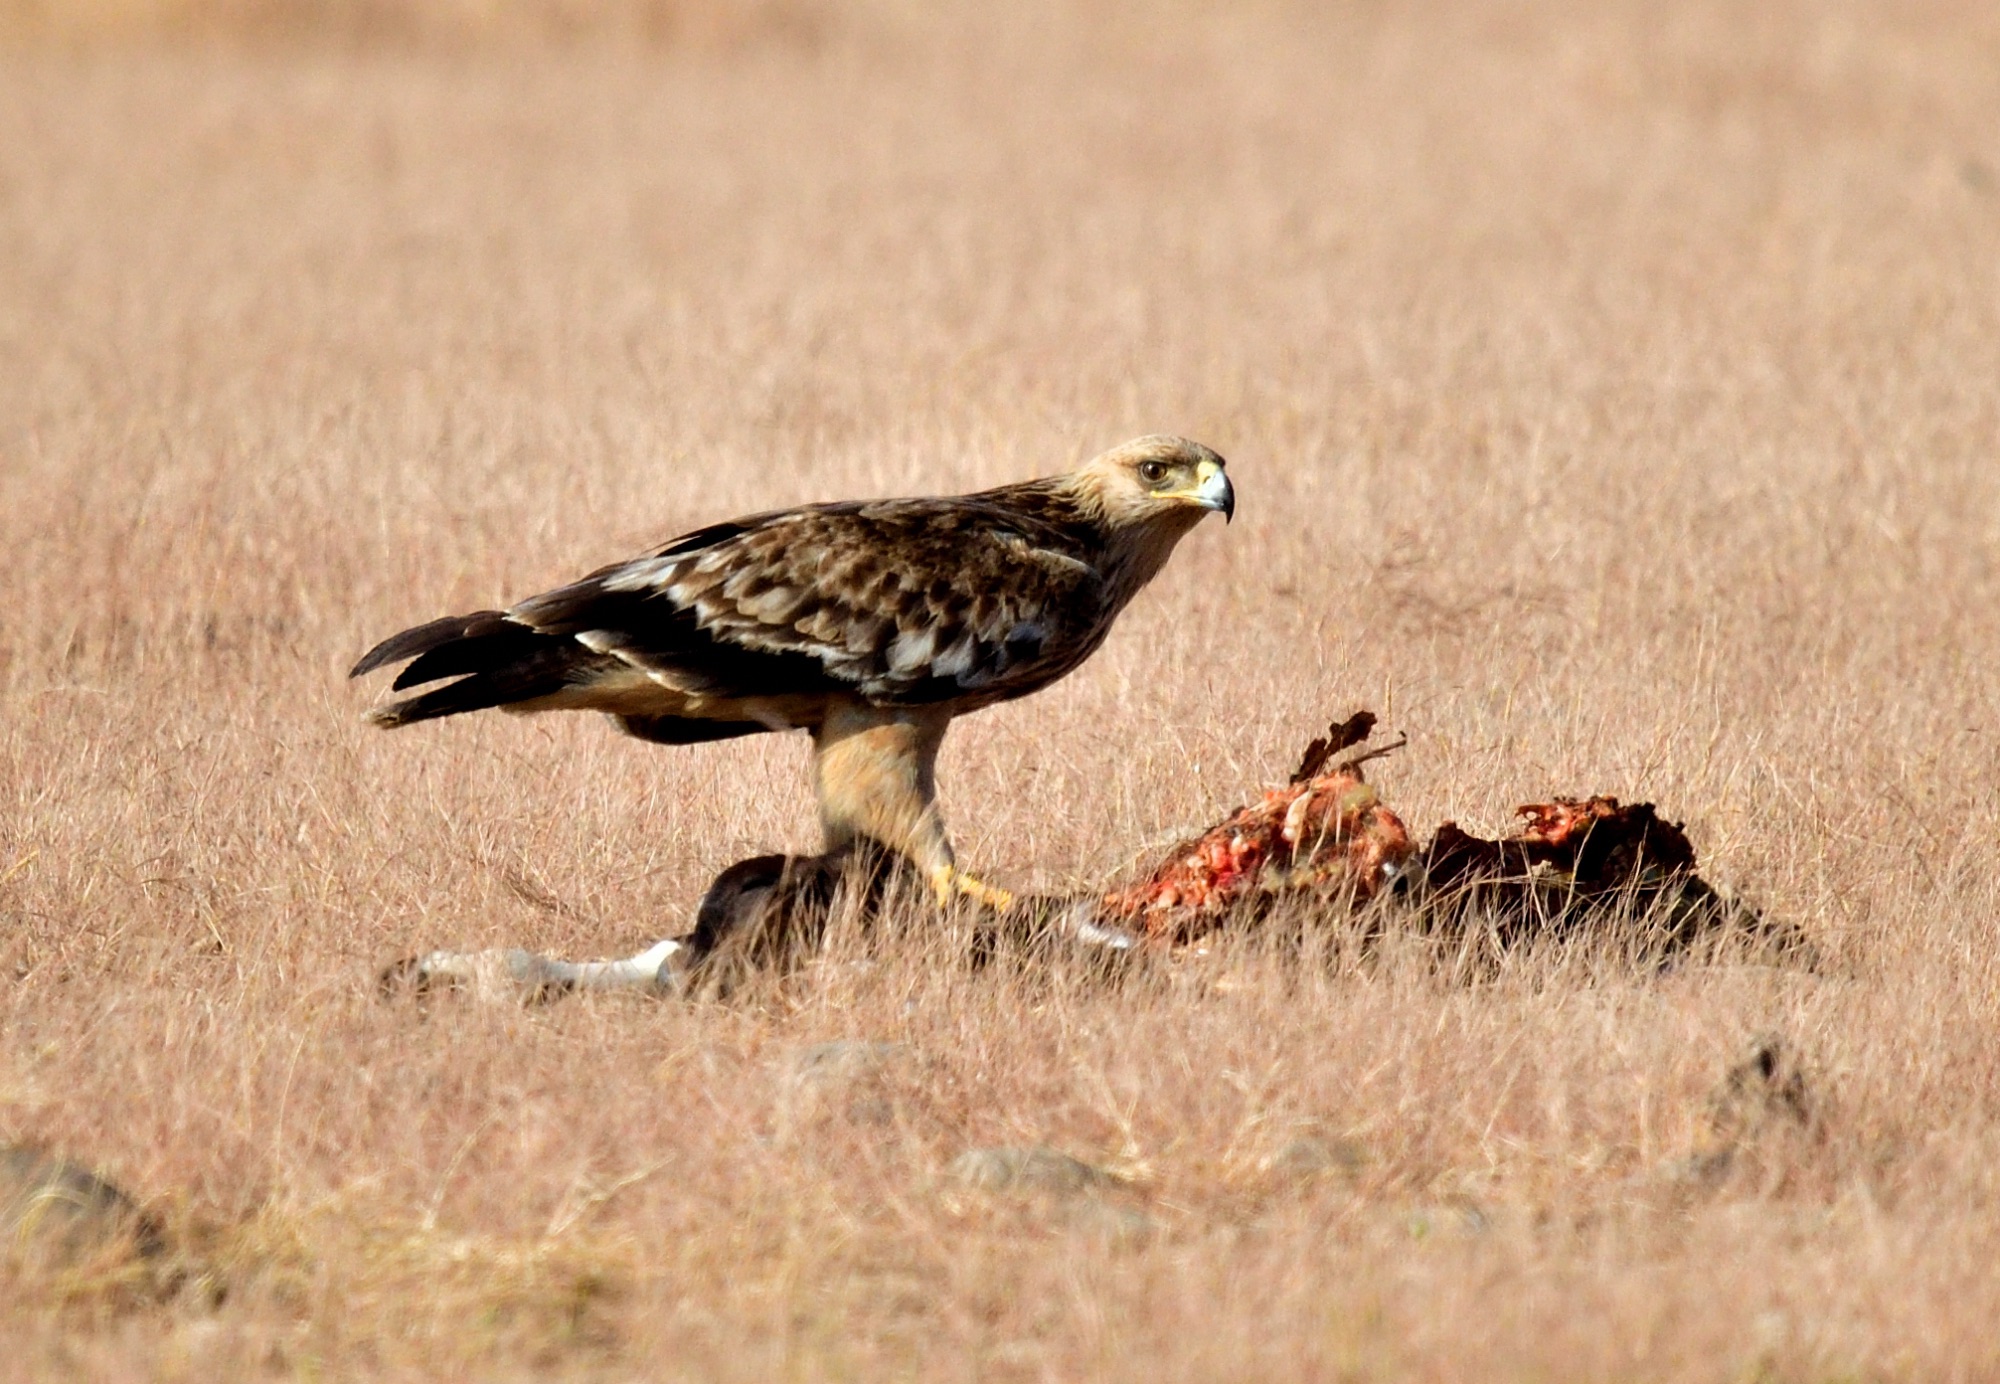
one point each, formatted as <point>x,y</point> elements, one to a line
<point>949,883</point>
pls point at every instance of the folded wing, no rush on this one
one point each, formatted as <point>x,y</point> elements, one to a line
<point>897,602</point>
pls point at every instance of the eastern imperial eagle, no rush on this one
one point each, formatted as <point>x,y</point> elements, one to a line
<point>869,623</point>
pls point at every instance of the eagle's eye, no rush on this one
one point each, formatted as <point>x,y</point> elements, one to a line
<point>1152,472</point>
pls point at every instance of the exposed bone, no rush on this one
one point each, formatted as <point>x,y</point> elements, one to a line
<point>516,973</point>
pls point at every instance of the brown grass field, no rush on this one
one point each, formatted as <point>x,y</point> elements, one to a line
<point>1613,397</point>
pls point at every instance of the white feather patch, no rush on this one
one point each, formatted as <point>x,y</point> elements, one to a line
<point>956,661</point>
<point>773,606</point>
<point>1062,562</point>
<point>912,650</point>
<point>651,572</point>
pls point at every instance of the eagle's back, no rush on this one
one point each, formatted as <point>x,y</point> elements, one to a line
<point>897,601</point>
<point>751,624</point>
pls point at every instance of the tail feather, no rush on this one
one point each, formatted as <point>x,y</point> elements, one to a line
<point>467,694</point>
<point>496,662</point>
<point>483,648</point>
<point>421,639</point>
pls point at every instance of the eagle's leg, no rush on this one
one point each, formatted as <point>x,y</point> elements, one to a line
<point>875,770</point>
<point>948,882</point>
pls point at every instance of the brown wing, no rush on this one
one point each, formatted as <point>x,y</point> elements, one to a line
<point>899,601</point>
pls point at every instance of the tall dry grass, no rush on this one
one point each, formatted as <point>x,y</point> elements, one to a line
<point>1611,397</point>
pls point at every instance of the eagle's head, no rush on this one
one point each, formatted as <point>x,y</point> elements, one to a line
<point>1145,496</point>
<point>1164,484</point>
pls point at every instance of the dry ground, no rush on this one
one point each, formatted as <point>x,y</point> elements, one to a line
<point>1611,394</point>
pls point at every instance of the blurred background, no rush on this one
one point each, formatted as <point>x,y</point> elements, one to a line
<point>1609,390</point>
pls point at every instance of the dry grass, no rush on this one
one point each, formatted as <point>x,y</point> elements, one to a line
<point>1610,394</point>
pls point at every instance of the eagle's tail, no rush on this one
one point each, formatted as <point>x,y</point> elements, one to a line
<point>497,662</point>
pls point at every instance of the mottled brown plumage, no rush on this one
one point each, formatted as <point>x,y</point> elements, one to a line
<point>870,624</point>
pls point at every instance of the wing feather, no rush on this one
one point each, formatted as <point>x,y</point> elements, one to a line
<point>898,601</point>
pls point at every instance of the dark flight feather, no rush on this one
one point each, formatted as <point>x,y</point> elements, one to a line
<point>420,639</point>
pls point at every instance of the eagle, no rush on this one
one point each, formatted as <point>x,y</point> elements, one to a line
<point>871,624</point>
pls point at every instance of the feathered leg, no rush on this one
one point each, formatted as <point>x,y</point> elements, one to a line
<point>876,774</point>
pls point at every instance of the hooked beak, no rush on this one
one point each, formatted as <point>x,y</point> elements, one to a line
<point>1213,490</point>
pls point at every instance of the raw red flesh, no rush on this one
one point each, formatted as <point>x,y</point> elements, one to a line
<point>1329,834</point>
